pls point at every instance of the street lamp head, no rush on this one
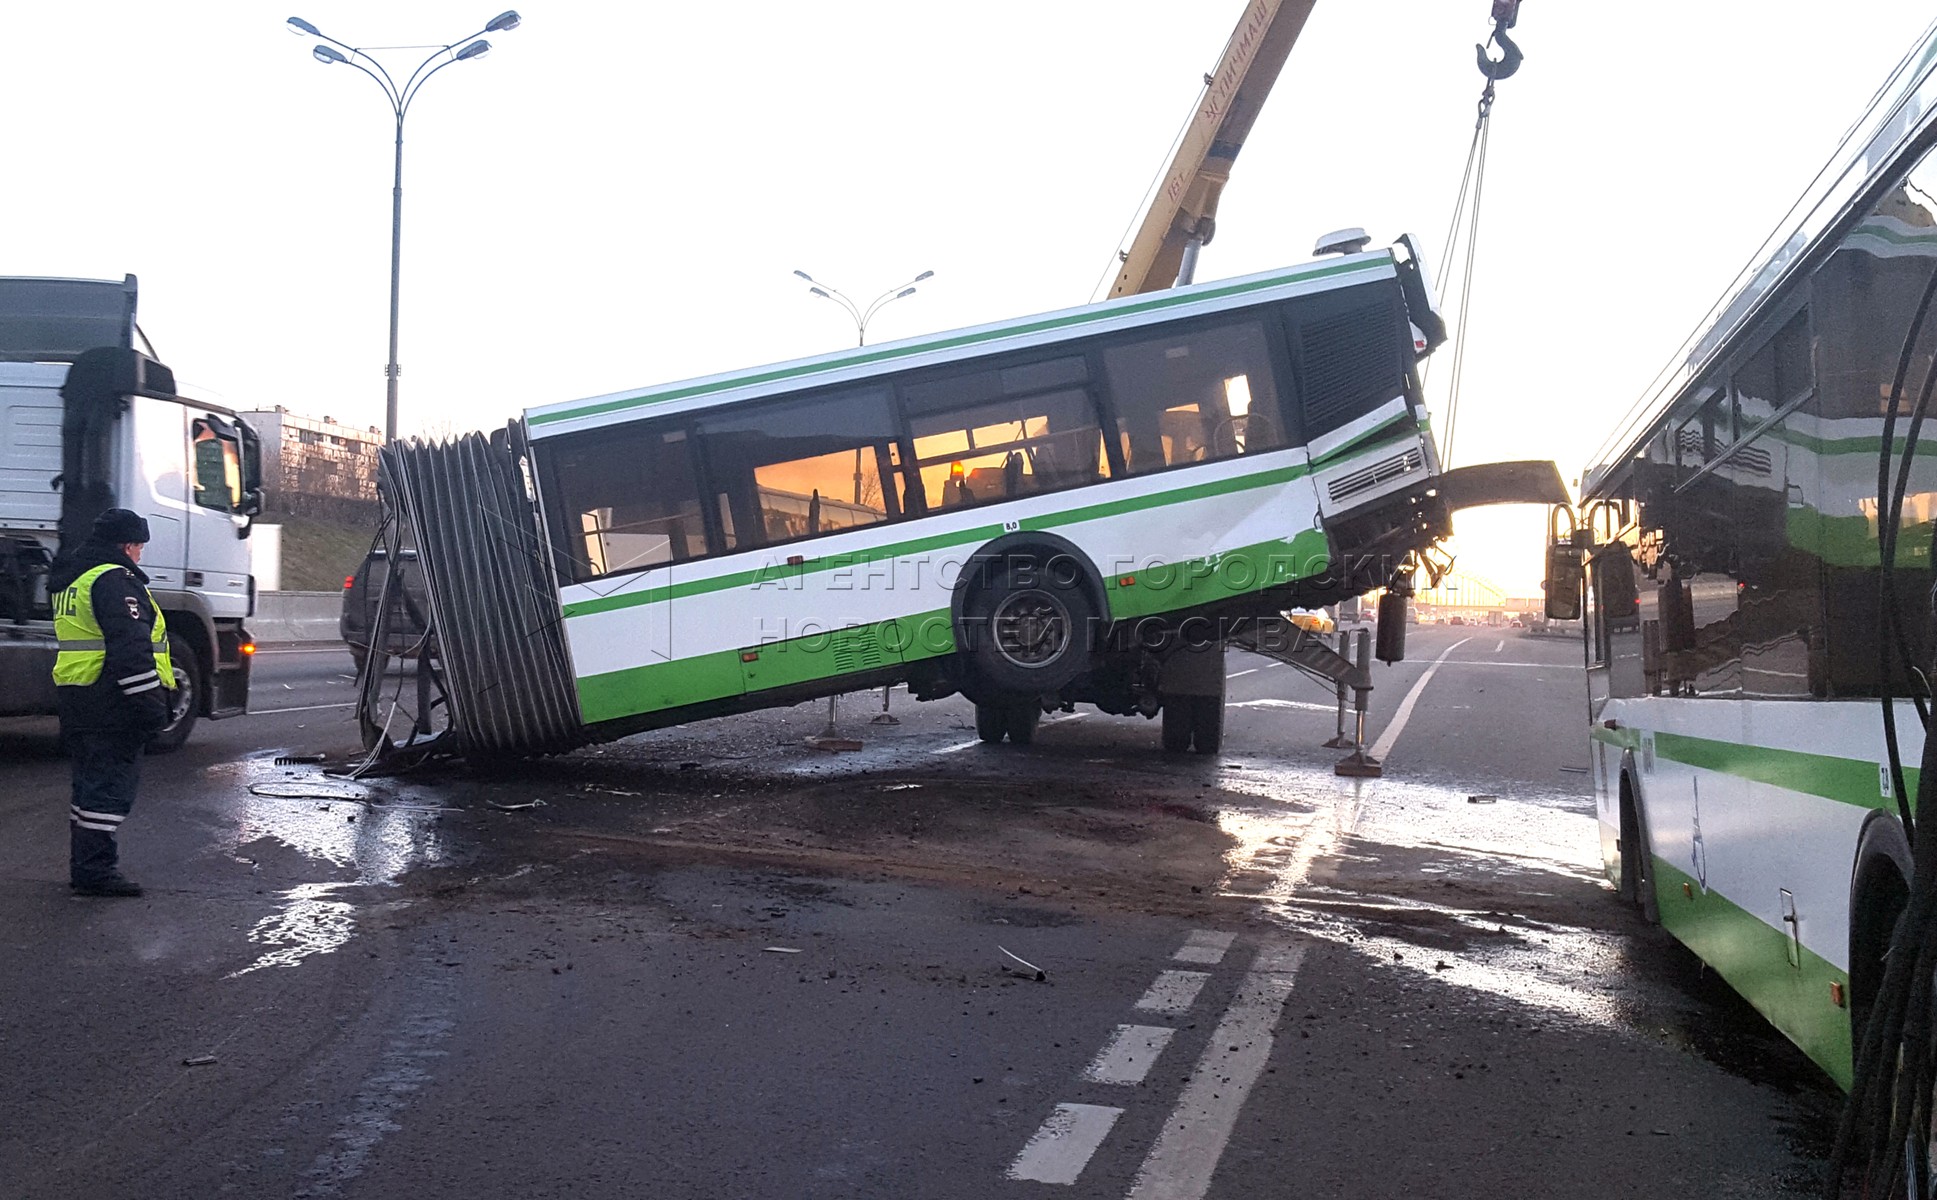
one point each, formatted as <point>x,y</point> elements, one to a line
<point>327,54</point>
<point>300,27</point>
<point>477,49</point>
<point>907,291</point>
<point>504,22</point>
<point>920,277</point>
<point>805,275</point>
<point>818,292</point>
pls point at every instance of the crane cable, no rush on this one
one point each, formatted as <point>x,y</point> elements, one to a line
<point>1465,223</point>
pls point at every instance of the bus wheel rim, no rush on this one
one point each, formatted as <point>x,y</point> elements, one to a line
<point>1031,629</point>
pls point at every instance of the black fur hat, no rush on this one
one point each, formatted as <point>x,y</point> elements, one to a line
<point>118,527</point>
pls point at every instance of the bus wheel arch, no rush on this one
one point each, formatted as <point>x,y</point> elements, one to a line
<point>1879,891</point>
<point>1019,577</point>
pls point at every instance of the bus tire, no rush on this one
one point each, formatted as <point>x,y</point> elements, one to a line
<point>1637,856</point>
<point>1023,719</point>
<point>185,702</point>
<point>1029,635</point>
<point>991,722</point>
<point>1177,723</point>
<point>1206,723</point>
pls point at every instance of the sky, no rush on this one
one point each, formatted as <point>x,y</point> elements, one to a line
<point>618,195</point>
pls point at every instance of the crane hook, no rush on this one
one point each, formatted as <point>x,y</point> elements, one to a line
<point>1499,68</point>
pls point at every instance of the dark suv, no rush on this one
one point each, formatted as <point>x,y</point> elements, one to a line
<point>405,630</point>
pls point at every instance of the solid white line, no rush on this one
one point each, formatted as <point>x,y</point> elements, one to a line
<point>258,712</point>
<point>1132,1051</point>
<point>1383,746</point>
<point>1241,674</point>
<point>1062,1147</point>
<point>1173,991</point>
<point>1185,1157</point>
<point>1205,946</point>
<point>1058,719</point>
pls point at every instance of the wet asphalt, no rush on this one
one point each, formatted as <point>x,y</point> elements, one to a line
<point>717,962</point>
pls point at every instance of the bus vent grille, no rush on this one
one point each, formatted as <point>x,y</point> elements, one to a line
<point>1383,471</point>
<point>857,650</point>
<point>1348,365</point>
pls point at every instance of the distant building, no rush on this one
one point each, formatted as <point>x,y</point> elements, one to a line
<point>308,457</point>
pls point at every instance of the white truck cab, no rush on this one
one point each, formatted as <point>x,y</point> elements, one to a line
<point>87,423</point>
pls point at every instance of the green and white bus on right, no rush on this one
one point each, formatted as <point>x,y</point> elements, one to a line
<point>1757,607</point>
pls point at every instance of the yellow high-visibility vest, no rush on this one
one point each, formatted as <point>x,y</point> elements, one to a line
<point>82,651</point>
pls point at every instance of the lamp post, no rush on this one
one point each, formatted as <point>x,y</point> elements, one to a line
<point>400,98</point>
<point>863,315</point>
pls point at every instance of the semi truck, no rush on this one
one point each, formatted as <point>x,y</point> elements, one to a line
<point>89,422</point>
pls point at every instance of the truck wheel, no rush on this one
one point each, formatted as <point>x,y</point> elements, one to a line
<point>1031,636</point>
<point>1207,723</point>
<point>185,702</point>
<point>1177,723</point>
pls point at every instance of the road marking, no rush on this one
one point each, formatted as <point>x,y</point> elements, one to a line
<point>1241,674</point>
<point>1058,719</point>
<point>1271,703</point>
<point>1173,991</point>
<point>1182,1162</point>
<point>1205,946</point>
<point>1383,746</point>
<point>1500,645</point>
<point>1062,1147</point>
<point>260,712</point>
<point>1132,1051</point>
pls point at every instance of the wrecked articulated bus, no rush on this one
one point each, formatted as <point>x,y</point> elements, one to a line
<point>1071,508</point>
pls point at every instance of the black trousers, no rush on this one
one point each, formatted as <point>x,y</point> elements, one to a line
<point>107,769</point>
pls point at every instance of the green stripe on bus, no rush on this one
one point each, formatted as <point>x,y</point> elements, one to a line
<point>1754,957</point>
<point>780,574</point>
<point>1154,303</point>
<point>725,673</point>
<point>1240,571</point>
<point>1385,434</point>
<point>1845,780</point>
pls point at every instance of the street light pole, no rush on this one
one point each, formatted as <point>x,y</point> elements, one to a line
<point>400,98</point>
<point>861,316</point>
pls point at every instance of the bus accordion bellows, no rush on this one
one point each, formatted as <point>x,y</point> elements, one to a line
<point>1755,546</point>
<point>1030,513</point>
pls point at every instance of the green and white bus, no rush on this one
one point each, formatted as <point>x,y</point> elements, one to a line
<point>1743,680</point>
<point>1026,512</point>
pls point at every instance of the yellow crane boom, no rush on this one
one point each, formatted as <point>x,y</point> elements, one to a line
<point>1182,216</point>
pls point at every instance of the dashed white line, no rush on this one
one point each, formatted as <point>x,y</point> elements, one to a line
<point>1058,719</point>
<point>1243,673</point>
<point>1204,946</point>
<point>1132,1051</point>
<point>1500,645</point>
<point>1062,1147</point>
<point>1383,746</point>
<point>261,712</point>
<point>1173,991</point>
<point>1182,1162</point>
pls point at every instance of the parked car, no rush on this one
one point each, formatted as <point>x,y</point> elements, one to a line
<point>1457,621</point>
<point>405,632</point>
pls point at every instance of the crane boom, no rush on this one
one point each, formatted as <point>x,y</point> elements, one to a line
<point>1182,216</point>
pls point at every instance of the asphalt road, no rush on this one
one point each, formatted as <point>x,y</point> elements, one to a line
<point>715,961</point>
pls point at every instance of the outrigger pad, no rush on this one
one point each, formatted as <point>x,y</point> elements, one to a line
<point>1535,481</point>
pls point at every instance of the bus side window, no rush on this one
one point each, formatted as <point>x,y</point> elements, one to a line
<point>630,499</point>
<point>988,435</point>
<point>1195,395</point>
<point>800,468</point>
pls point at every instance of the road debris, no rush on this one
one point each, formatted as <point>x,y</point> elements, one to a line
<point>296,760</point>
<point>529,804</point>
<point>780,950</point>
<point>1482,799</point>
<point>307,791</point>
<point>1031,969</point>
<point>200,1060</point>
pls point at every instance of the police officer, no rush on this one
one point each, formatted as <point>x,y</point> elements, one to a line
<point>114,683</point>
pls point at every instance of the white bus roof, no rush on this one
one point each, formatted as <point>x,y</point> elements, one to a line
<point>864,362</point>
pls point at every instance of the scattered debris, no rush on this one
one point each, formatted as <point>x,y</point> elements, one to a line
<point>200,1060</point>
<point>307,791</point>
<point>1030,968</point>
<point>1482,799</point>
<point>781,950</point>
<point>293,760</point>
<point>833,744</point>
<point>1574,770</point>
<point>529,804</point>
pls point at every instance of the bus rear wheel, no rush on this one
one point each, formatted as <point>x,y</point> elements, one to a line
<point>1029,632</point>
<point>1193,722</point>
<point>1013,719</point>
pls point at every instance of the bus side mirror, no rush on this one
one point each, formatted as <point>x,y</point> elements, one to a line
<point>1566,577</point>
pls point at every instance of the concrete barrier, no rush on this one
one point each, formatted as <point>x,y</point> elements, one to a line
<point>296,616</point>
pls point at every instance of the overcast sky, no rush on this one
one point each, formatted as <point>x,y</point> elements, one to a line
<point>618,194</point>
